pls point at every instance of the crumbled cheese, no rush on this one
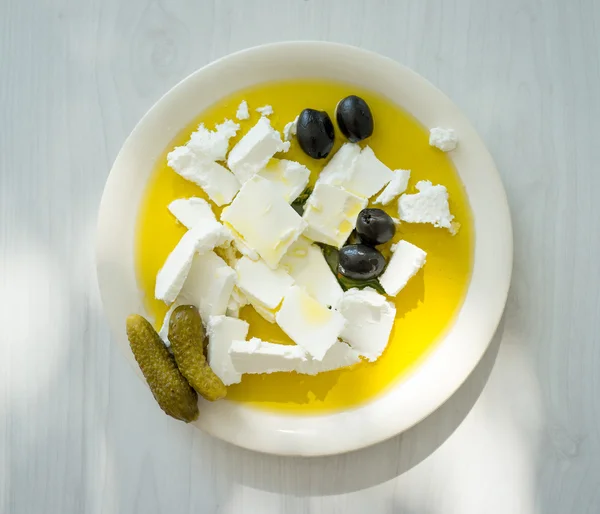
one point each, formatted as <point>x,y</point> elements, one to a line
<point>307,266</point>
<point>266,222</point>
<point>290,129</point>
<point>222,331</point>
<point>236,302</point>
<point>309,323</point>
<point>213,144</point>
<point>340,168</point>
<point>396,187</point>
<point>429,205</point>
<point>164,329</point>
<point>340,355</point>
<point>331,214</point>
<point>190,212</point>
<point>369,321</point>
<point>265,110</point>
<point>257,356</point>
<point>218,182</point>
<point>262,284</point>
<point>289,177</point>
<point>407,259</point>
<point>444,139</point>
<point>242,111</point>
<point>252,153</point>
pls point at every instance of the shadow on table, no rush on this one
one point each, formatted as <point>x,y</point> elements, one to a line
<point>370,466</point>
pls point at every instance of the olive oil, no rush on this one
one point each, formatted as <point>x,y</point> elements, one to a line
<point>425,308</point>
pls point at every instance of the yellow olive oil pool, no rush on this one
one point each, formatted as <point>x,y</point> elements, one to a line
<point>425,308</point>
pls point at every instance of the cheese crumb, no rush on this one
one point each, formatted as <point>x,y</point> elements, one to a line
<point>213,144</point>
<point>290,129</point>
<point>444,139</point>
<point>396,187</point>
<point>429,205</point>
<point>242,111</point>
<point>265,110</point>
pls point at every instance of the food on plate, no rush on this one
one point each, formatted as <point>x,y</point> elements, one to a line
<point>429,205</point>
<point>360,262</point>
<point>443,138</point>
<point>315,134</point>
<point>354,118</point>
<point>170,389</point>
<point>375,227</point>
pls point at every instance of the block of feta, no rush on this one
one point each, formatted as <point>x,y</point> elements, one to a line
<point>407,259</point>
<point>222,331</point>
<point>191,211</point>
<point>340,355</point>
<point>429,205</point>
<point>265,221</point>
<point>340,168</point>
<point>242,111</point>
<point>331,214</point>
<point>444,139</point>
<point>208,286</point>
<point>236,302</point>
<point>396,187</point>
<point>213,144</point>
<point>265,110</point>
<point>262,284</point>
<point>217,181</point>
<point>257,356</point>
<point>307,266</point>
<point>289,177</point>
<point>290,129</point>
<point>309,323</point>
<point>252,153</point>
<point>242,246</point>
<point>369,321</point>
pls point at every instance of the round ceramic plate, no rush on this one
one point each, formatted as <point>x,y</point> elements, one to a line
<point>452,359</point>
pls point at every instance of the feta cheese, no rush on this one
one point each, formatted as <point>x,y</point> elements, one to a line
<point>257,356</point>
<point>266,314</point>
<point>191,211</point>
<point>213,144</point>
<point>222,331</point>
<point>290,129</point>
<point>340,355</point>
<point>242,111</point>
<point>308,323</point>
<point>164,329</point>
<point>241,245</point>
<point>429,205</point>
<point>265,110</point>
<point>307,266</point>
<point>289,177</point>
<point>407,259</point>
<point>252,153</point>
<point>331,214</point>
<point>444,139</point>
<point>262,284</point>
<point>208,286</point>
<point>236,302</point>
<point>340,168</point>
<point>396,187</point>
<point>218,182</point>
<point>369,321</point>
<point>266,222</point>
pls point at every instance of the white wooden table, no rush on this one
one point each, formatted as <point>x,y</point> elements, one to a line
<point>80,434</point>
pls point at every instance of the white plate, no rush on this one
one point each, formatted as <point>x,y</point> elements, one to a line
<point>448,365</point>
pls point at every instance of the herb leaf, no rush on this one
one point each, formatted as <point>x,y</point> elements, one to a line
<point>298,203</point>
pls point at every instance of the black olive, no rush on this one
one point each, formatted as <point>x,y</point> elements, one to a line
<point>354,118</point>
<point>314,133</point>
<point>360,262</point>
<point>375,226</point>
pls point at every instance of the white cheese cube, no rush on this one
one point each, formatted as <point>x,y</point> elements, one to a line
<point>290,129</point>
<point>369,321</point>
<point>261,283</point>
<point>307,266</point>
<point>213,144</point>
<point>218,182</point>
<point>444,139</point>
<point>340,355</point>
<point>252,153</point>
<point>429,205</point>
<point>289,177</point>
<point>242,111</point>
<point>191,211</point>
<point>241,245</point>
<point>265,110</point>
<point>257,356</point>
<point>331,214</point>
<point>396,187</point>
<point>236,302</point>
<point>208,286</point>
<point>266,222</point>
<point>407,259</point>
<point>308,323</point>
<point>340,168</point>
<point>222,331</point>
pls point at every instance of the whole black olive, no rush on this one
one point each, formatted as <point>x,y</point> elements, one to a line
<point>354,118</point>
<point>360,262</point>
<point>314,132</point>
<point>375,226</point>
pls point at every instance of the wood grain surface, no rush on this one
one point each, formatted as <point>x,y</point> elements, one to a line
<point>80,434</point>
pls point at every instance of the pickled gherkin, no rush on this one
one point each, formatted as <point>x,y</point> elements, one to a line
<point>169,387</point>
<point>186,335</point>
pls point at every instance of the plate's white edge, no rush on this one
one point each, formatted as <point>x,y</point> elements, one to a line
<point>455,375</point>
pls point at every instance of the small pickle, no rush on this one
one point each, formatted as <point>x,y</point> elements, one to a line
<point>187,343</point>
<point>170,389</point>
